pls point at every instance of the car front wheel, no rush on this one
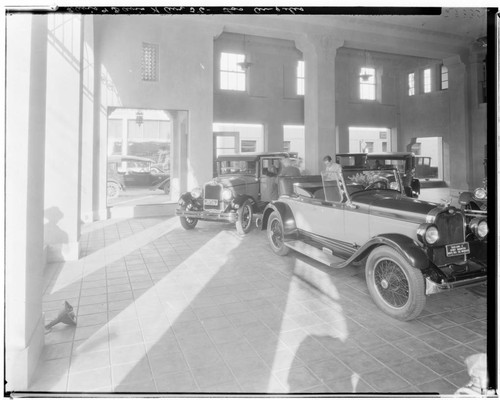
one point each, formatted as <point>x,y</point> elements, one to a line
<point>396,287</point>
<point>188,223</point>
<point>275,234</point>
<point>245,216</point>
<point>112,190</point>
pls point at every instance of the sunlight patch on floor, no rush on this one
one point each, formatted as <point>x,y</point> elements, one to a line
<point>195,270</point>
<point>74,271</point>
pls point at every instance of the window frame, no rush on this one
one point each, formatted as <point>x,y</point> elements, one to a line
<point>368,86</point>
<point>443,71</point>
<point>426,80</point>
<point>237,72</point>
<point>411,84</point>
<point>301,78</point>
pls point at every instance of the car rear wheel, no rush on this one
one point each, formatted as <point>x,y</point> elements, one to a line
<point>275,234</point>
<point>112,190</point>
<point>188,223</point>
<point>396,287</point>
<point>245,217</point>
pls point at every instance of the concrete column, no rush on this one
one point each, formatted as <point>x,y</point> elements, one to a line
<point>87,213</point>
<point>63,136</point>
<point>319,101</point>
<point>26,59</point>
<point>457,140</point>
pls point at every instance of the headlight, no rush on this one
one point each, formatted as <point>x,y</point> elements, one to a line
<point>428,233</point>
<point>480,193</point>
<point>196,193</point>
<point>479,227</point>
<point>227,194</point>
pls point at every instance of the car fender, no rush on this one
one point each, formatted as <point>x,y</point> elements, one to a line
<point>405,246</point>
<point>286,214</point>
<point>185,198</point>
<point>238,201</point>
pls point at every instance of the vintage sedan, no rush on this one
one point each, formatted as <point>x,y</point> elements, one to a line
<point>405,162</point>
<point>410,248</point>
<point>126,171</point>
<point>244,185</point>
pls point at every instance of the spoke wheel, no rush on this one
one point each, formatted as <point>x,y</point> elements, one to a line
<point>188,223</point>
<point>112,190</point>
<point>391,283</point>
<point>245,217</point>
<point>275,234</point>
<point>395,286</point>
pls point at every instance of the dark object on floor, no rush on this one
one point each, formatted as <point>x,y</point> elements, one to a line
<point>66,316</point>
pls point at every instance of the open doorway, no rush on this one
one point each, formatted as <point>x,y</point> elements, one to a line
<point>369,140</point>
<point>145,147</point>
<point>232,138</point>
<point>429,157</point>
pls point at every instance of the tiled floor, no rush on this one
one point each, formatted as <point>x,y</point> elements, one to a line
<point>164,310</point>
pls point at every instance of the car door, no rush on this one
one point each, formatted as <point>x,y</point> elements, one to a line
<point>323,214</point>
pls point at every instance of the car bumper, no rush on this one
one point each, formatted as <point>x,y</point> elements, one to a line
<point>432,287</point>
<point>208,215</point>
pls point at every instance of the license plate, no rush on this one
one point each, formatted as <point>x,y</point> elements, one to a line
<point>211,202</point>
<point>457,249</point>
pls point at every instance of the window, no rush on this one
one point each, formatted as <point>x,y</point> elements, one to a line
<point>444,77</point>
<point>368,148</point>
<point>248,146</point>
<point>232,75</point>
<point>426,80</point>
<point>149,62</point>
<point>411,84</point>
<point>301,78</point>
<point>286,145</point>
<point>384,147</point>
<point>367,84</point>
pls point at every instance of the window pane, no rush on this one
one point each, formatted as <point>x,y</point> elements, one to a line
<point>411,84</point>
<point>232,75</point>
<point>427,80</point>
<point>444,77</point>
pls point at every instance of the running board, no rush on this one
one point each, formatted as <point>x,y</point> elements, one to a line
<point>316,254</point>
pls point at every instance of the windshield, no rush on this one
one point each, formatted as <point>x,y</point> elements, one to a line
<point>384,163</point>
<point>359,180</point>
<point>236,167</point>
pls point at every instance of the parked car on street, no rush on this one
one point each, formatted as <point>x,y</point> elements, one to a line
<point>405,162</point>
<point>131,171</point>
<point>410,248</point>
<point>244,185</point>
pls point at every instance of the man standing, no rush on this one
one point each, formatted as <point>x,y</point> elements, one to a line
<point>330,165</point>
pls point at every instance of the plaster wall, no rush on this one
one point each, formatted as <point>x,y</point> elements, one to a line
<point>26,41</point>
<point>350,110</point>
<point>88,98</point>
<point>185,77</point>
<point>63,137</point>
<point>271,98</point>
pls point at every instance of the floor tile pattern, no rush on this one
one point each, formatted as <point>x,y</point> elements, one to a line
<point>164,310</point>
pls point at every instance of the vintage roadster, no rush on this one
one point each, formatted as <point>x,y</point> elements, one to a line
<point>244,185</point>
<point>410,248</point>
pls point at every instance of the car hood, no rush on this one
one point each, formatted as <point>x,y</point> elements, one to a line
<point>239,183</point>
<point>395,203</point>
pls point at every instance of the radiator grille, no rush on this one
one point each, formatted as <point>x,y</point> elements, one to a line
<point>451,230</point>
<point>213,192</point>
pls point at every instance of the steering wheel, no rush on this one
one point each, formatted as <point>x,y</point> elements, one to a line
<point>380,184</point>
